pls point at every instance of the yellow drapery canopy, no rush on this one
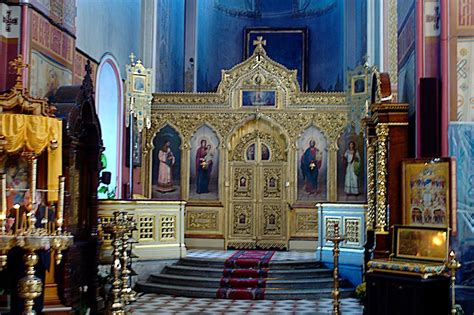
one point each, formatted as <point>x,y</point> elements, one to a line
<point>34,133</point>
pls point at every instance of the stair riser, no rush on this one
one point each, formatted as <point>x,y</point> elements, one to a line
<point>273,264</point>
<point>271,274</point>
<point>195,273</point>
<point>216,284</point>
<point>268,294</point>
<point>151,289</point>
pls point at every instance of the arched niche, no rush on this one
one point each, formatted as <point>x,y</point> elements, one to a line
<point>351,178</point>
<point>312,164</point>
<point>166,164</point>
<point>204,164</point>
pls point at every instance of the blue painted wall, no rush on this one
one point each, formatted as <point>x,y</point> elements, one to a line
<point>170,45</point>
<point>461,146</point>
<point>109,27</point>
<point>221,24</point>
<point>407,63</point>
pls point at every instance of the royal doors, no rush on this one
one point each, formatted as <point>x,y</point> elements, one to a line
<point>257,208</point>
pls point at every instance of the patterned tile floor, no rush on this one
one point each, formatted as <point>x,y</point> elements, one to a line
<point>224,254</point>
<point>166,304</point>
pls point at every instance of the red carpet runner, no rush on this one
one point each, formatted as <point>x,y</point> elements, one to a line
<point>245,275</point>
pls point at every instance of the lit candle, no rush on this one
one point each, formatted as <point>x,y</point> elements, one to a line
<point>44,221</point>
<point>17,216</point>
<point>33,165</point>
<point>3,210</point>
<point>23,221</point>
<point>60,212</point>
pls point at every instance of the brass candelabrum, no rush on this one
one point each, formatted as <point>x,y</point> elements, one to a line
<point>336,238</point>
<point>28,236</point>
<point>121,293</point>
<point>453,265</point>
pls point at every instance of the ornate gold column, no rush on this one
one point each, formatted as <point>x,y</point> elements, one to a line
<point>371,195</point>
<point>332,170</point>
<point>382,133</point>
<point>185,170</point>
<point>291,192</point>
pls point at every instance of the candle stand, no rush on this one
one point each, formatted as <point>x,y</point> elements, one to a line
<point>120,228</point>
<point>336,239</point>
<point>32,239</point>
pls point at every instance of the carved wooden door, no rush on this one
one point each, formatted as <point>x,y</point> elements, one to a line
<point>257,206</point>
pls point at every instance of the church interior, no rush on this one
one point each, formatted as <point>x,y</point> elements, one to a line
<point>237,156</point>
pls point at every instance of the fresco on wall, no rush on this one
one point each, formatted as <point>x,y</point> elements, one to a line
<point>46,75</point>
<point>312,165</point>
<point>166,165</point>
<point>204,165</point>
<point>351,167</point>
<point>17,173</point>
<point>463,110</point>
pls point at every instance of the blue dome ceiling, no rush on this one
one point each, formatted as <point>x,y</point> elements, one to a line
<point>274,8</point>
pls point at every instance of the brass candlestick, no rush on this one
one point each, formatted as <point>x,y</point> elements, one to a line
<point>33,239</point>
<point>336,239</point>
<point>116,228</point>
<point>128,294</point>
<point>7,241</point>
<point>453,265</point>
<point>30,286</point>
<point>61,242</point>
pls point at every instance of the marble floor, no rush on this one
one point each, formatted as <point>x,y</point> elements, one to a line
<point>166,304</point>
<point>224,254</point>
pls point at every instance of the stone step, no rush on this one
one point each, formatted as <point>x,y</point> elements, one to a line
<point>270,293</point>
<point>207,282</point>
<point>273,273</point>
<point>274,264</point>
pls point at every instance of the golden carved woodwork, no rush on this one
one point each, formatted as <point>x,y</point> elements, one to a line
<point>272,183</point>
<point>237,127</point>
<point>294,123</point>
<point>306,223</point>
<point>268,244</point>
<point>272,220</point>
<point>205,220</point>
<point>371,195</point>
<point>381,219</point>
<point>242,224</point>
<point>243,178</point>
<point>247,244</point>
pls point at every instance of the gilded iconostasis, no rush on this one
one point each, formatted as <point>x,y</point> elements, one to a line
<point>244,155</point>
